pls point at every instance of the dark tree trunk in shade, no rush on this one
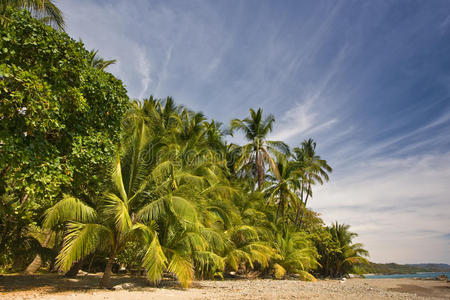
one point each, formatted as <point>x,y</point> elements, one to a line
<point>73,272</point>
<point>37,261</point>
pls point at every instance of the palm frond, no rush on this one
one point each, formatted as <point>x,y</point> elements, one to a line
<point>183,268</point>
<point>183,209</point>
<point>68,209</point>
<point>117,179</point>
<point>117,209</point>
<point>153,210</point>
<point>80,241</point>
<point>279,271</point>
<point>154,261</point>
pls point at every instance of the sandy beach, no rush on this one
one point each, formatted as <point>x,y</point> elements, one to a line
<point>85,287</point>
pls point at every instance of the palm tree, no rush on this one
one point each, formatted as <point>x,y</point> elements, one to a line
<point>255,154</point>
<point>297,255</point>
<point>44,10</point>
<point>344,254</point>
<point>282,191</point>
<point>109,227</point>
<point>313,169</point>
<point>95,61</point>
<point>244,247</point>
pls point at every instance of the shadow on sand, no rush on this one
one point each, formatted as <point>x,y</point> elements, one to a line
<point>54,283</point>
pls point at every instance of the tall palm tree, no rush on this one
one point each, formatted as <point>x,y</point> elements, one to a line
<point>255,154</point>
<point>282,190</point>
<point>44,10</point>
<point>313,169</point>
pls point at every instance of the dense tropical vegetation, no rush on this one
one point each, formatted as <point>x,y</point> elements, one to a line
<point>90,179</point>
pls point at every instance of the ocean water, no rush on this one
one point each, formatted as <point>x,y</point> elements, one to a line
<point>415,275</point>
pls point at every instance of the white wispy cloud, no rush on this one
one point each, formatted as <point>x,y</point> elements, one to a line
<point>143,69</point>
<point>393,201</point>
<point>300,120</point>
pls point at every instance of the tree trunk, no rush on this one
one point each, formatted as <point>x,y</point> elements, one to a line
<point>105,282</point>
<point>73,272</point>
<point>259,165</point>
<point>278,211</point>
<point>299,207</point>
<point>306,201</point>
<point>37,261</point>
<point>90,263</point>
<point>257,169</point>
<point>18,263</point>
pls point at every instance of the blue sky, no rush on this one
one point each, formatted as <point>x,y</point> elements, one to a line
<point>368,80</point>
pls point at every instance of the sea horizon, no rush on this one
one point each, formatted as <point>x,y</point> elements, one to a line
<point>409,275</point>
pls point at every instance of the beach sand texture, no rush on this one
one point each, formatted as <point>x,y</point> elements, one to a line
<point>85,287</point>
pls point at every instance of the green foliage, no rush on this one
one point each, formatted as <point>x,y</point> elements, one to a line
<point>297,254</point>
<point>148,184</point>
<point>338,254</point>
<point>60,117</point>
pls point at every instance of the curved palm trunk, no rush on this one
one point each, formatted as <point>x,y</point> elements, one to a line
<point>37,261</point>
<point>105,282</point>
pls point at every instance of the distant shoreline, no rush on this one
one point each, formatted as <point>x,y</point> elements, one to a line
<point>421,275</point>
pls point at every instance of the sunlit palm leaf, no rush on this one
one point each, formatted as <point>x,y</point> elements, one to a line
<point>68,209</point>
<point>117,209</point>
<point>153,210</point>
<point>183,268</point>
<point>154,261</point>
<point>81,240</point>
<point>117,179</point>
<point>183,209</point>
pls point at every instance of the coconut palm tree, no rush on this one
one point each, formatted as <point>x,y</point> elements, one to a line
<point>44,10</point>
<point>255,154</point>
<point>282,190</point>
<point>312,168</point>
<point>107,228</point>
